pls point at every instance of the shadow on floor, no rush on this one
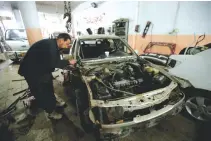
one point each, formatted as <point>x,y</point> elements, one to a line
<point>66,130</point>
<point>203,131</point>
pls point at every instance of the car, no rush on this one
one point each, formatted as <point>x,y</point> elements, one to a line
<point>116,91</point>
<point>193,69</point>
<point>18,43</point>
<point>192,50</point>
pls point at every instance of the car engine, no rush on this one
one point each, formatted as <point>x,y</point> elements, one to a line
<point>113,81</point>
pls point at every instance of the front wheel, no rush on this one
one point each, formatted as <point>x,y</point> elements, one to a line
<point>83,112</point>
<point>198,106</point>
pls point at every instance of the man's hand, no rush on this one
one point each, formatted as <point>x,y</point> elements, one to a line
<point>72,62</point>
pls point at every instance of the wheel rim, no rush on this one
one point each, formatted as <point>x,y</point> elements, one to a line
<point>199,108</point>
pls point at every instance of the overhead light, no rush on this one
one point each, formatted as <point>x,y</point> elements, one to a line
<point>94,5</point>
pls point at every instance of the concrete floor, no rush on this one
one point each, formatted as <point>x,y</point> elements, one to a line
<point>178,128</point>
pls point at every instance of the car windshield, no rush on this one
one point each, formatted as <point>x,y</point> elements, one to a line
<point>16,34</point>
<point>103,48</point>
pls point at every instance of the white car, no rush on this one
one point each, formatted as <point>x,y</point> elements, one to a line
<point>195,70</point>
<point>17,40</point>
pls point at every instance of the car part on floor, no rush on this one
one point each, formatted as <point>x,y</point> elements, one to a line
<point>12,106</point>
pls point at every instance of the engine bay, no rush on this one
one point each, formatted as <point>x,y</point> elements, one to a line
<point>124,79</point>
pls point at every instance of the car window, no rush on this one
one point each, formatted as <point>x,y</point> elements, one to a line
<point>96,48</point>
<point>122,46</point>
<point>15,34</point>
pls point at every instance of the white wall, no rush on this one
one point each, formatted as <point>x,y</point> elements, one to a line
<point>194,17</point>
<point>187,17</point>
<point>109,11</point>
<point>161,14</point>
<point>50,23</point>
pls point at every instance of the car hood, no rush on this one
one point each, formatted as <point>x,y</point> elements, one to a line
<point>195,69</point>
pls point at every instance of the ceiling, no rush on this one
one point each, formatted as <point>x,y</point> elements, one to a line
<point>54,7</point>
<point>59,4</point>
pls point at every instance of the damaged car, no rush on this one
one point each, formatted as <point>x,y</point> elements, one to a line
<point>194,71</point>
<point>116,91</point>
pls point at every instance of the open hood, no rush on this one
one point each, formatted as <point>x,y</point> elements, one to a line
<point>196,69</point>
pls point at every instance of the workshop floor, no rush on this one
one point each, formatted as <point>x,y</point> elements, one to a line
<point>178,128</point>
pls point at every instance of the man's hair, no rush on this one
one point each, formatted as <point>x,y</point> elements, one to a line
<point>64,36</point>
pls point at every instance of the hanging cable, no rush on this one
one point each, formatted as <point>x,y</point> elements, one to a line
<point>67,13</point>
<point>151,30</point>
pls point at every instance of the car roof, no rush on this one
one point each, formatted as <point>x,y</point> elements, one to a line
<point>98,36</point>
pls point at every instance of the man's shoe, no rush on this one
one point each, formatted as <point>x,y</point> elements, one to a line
<point>59,102</point>
<point>55,115</point>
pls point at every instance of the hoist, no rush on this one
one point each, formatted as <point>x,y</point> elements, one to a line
<point>67,13</point>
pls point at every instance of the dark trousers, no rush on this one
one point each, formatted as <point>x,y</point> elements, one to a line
<point>42,89</point>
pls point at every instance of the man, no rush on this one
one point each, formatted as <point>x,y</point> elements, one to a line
<point>38,64</point>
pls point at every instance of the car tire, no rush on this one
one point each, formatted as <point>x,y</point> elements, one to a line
<point>82,112</point>
<point>199,98</point>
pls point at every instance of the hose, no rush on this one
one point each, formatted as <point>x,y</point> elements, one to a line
<point>131,94</point>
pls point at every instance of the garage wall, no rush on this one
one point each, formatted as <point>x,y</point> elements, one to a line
<point>194,17</point>
<point>84,16</point>
<point>188,18</point>
<point>50,23</point>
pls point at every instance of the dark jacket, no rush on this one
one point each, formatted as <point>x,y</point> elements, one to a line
<point>42,57</point>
